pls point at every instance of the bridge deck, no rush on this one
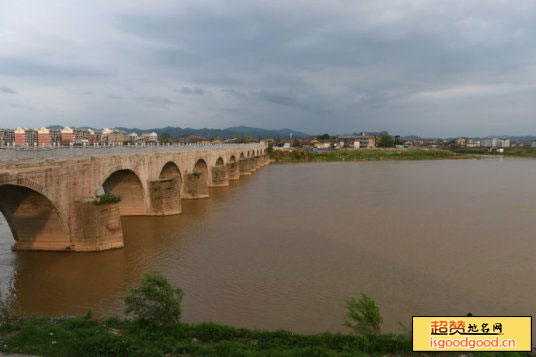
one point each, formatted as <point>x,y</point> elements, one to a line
<point>18,154</point>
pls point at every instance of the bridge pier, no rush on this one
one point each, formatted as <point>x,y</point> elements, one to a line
<point>220,176</point>
<point>165,197</point>
<point>233,170</point>
<point>256,162</point>
<point>244,167</point>
<point>195,186</point>
<point>95,227</point>
<point>252,166</point>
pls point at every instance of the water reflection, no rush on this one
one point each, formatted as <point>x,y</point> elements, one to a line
<point>7,258</point>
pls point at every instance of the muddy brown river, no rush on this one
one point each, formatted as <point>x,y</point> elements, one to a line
<point>284,247</point>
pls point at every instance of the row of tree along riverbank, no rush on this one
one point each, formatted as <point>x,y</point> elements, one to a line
<point>510,152</point>
<point>367,155</point>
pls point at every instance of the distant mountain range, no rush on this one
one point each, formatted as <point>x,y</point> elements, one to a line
<point>231,132</point>
<point>236,131</point>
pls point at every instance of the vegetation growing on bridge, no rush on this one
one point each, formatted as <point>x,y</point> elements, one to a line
<point>107,198</point>
<point>156,330</point>
<point>367,155</point>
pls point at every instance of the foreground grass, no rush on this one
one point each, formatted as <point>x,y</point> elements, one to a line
<point>368,155</point>
<point>83,336</point>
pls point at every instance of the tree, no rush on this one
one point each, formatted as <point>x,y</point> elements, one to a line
<point>165,137</point>
<point>249,138</point>
<point>363,316</point>
<point>155,301</point>
<point>386,141</point>
<point>323,137</point>
<point>270,149</point>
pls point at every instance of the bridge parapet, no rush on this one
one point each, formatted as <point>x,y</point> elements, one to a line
<point>68,152</point>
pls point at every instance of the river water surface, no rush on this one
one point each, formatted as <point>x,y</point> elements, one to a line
<point>286,246</point>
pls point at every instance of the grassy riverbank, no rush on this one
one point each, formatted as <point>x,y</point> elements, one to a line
<point>367,155</point>
<point>83,336</point>
<point>510,152</point>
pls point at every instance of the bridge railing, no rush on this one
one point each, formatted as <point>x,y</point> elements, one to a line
<point>65,152</point>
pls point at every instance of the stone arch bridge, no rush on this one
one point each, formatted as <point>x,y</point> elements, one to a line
<point>49,203</point>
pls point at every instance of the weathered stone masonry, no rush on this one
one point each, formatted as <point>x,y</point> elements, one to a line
<point>49,204</point>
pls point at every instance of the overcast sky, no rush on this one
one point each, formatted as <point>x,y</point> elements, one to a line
<point>430,68</point>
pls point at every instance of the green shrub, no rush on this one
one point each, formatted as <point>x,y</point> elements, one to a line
<point>107,198</point>
<point>155,301</point>
<point>270,150</point>
<point>363,316</point>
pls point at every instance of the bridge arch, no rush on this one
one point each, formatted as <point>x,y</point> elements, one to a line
<point>242,156</point>
<point>35,221</point>
<point>220,162</point>
<point>201,167</point>
<point>232,158</point>
<point>126,184</point>
<point>171,170</point>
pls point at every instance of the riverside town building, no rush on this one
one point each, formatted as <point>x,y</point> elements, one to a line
<point>50,137</point>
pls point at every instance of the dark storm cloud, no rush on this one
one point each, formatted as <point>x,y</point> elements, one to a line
<point>423,67</point>
<point>287,99</point>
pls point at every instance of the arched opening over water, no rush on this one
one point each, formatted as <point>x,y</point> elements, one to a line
<point>201,168</point>
<point>232,158</point>
<point>127,185</point>
<point>34,221</point>
<point>242,156</point>
<point>219,162</point>
<point>8,260</point>
<point>171,170</point>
